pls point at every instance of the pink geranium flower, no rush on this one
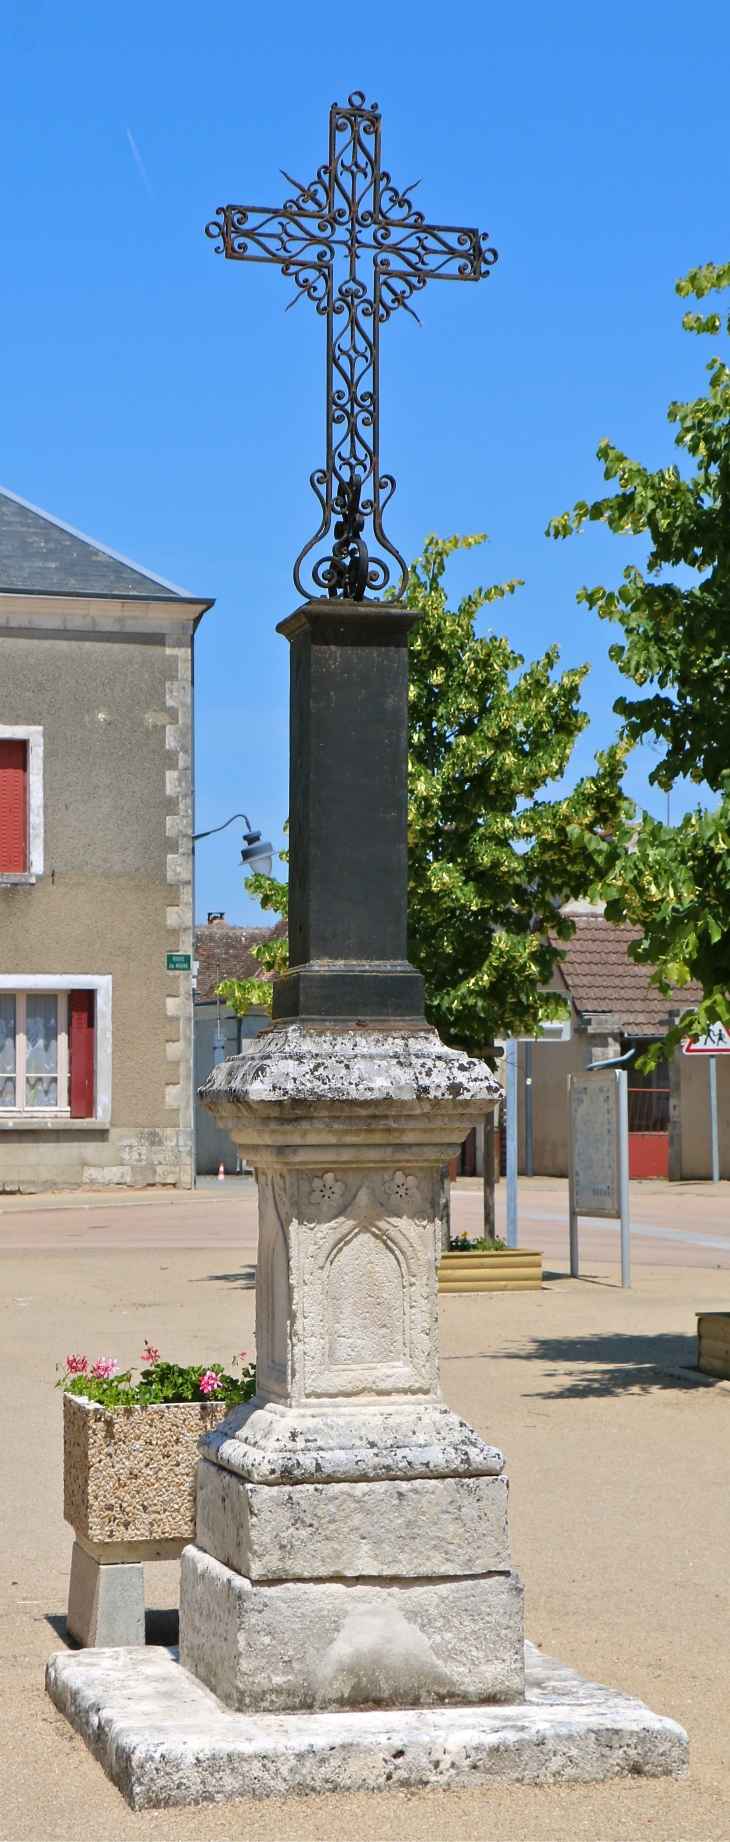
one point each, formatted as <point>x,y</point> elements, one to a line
<point>77,1365</point>
<point>150,1355</point>
<point>209,1382</point>
<point>105,1367</point>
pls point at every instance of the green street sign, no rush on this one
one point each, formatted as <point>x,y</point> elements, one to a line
<point>178,962</point>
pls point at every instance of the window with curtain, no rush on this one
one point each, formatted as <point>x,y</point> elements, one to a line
<point>41,1050</point>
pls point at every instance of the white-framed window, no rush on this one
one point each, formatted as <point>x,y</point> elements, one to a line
<point>21,802</point>
<point>55,1047</point>
<point>34,1062</point>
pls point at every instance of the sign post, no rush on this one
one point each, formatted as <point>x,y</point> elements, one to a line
<point>554,1030</point>
<point>713,1120</point>
<point>623,1176</point>
<point>716,1042</point>
<point>511,1060</point>
<point>598,1157</point>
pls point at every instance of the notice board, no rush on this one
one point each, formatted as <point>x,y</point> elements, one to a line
<point>594,1128</point>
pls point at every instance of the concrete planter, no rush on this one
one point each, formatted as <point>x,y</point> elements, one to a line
<point>129,1475</point>
<point>510,1270</point>
<point>129,1494</point>
<point>713,1343</point>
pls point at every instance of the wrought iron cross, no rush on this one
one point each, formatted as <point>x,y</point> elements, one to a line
<point>352,209</point>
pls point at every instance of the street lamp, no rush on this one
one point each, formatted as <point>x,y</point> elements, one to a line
<point>257,856</point>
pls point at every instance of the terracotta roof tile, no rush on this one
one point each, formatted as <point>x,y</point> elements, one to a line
<point>605,984</point>
<point>224,952</point>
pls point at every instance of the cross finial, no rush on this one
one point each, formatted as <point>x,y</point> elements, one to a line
<point>318,237</point>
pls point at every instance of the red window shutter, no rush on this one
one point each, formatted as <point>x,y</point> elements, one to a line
<point>81,1053</point>
<point>13,806</point>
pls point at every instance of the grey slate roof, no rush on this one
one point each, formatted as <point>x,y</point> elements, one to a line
<point>41,556</point>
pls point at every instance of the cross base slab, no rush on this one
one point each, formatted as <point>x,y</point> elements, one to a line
<point>165,1741</point>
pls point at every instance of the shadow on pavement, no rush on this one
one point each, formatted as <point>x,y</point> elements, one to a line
<point>160,1627</point>
<point>244,1281</point>
<point>601,1364</point>
<point>57,1622</point>
<point>614,1363</point>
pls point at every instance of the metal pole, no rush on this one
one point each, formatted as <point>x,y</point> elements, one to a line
<point>511,1141</point>
<point>194,1095</point>
<point>528,1109</point>
<point>572,1213</point>
<point>623,1175</point>
<point>713,1120</point>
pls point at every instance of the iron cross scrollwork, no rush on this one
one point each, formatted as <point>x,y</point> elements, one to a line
<point>352,210</point>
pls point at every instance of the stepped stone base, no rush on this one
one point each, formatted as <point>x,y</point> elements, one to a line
<point>357,1643</point>
<point>413,1528</point>
<point>165,1741</point>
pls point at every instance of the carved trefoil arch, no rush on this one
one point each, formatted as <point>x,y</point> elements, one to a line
<point>366,1304</point>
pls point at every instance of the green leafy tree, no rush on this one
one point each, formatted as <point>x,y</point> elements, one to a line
<point>675,881</point>
<point>489,862</point>
<point>272,954</point>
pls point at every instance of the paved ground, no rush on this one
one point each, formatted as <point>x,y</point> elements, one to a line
<point>619,1505</point>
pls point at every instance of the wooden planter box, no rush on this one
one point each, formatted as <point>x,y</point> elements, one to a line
<point>513,1270</point>
<point>129,1475</point>
<point>713,1343</point>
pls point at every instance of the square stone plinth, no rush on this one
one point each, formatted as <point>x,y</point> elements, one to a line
<point>317,1643</point>
<point>414,1528</point>
<point>164,1740</point>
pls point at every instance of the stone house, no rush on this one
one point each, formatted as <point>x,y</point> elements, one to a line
<point>614,1010</point>
<point>96,1040</point>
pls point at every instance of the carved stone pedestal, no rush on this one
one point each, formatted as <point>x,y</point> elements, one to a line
<point>351,1543</point>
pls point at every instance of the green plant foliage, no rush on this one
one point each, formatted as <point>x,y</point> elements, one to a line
<point>242,994</point>
<point>163,1381</point>
<point>674,882</point>
<point>462,1245</point>
<point>489,863</point>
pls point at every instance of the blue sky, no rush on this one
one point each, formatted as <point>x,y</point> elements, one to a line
<point>163,401</point>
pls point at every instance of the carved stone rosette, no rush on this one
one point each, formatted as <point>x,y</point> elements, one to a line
<point>347,1471</point>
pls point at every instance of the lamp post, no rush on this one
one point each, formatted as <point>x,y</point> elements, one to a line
<point>256,855</point>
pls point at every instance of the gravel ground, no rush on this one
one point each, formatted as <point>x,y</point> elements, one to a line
<point>619,1505</point>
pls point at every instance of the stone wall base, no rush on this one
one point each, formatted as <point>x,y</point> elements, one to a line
<point>129,1157</point>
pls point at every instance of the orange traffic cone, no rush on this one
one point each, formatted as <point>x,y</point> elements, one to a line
<point>221,1173</point>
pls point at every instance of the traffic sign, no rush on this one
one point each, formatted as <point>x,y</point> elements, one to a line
<point>716,1042</point>
<point>178,962</point>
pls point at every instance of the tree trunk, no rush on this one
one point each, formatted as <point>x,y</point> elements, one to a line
<point>445,1209</point>
<point>489,1229</point>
